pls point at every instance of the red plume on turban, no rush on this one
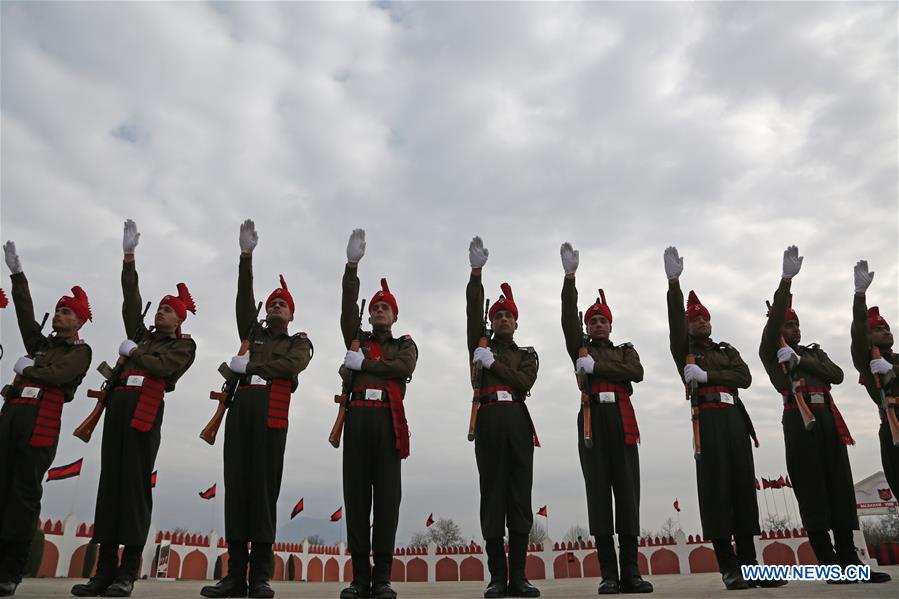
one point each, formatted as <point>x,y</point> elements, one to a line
<point>4,301</point>
<point>695,307</point>
<point>599,307</point>
<point>281,293</point>
<point>506,301</point>
<point>385,296</point>
<point>77,303</point>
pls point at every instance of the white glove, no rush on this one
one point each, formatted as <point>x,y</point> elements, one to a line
<point>248,236</point>
<point>695,374</point>
<point>11,257</point>
<point>22,363</point>
<point>787,355</point>
<point>483,356</point>
<point>477,253</point>
<point>792,262</point>
<point>238,364</point>
<point>570,258</point>
<point>127,347</point>
<point>879,366</point>
<point>585,365</point>
<point>130,237</point>
<point>863,276</point>
<point>353,360</point>
<point>674,264</point>
<point>355,247</point>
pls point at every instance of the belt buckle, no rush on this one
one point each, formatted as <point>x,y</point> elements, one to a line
<point>817,398</point>
<point>135,381</point>
<point>255,379</point>
<point>504,396</point>
<point>374,395</point>
<point>607,397</point>
<point>726,398</point>
<point>30,392</point>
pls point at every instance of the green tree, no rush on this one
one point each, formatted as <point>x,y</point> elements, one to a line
<point>444,532</point>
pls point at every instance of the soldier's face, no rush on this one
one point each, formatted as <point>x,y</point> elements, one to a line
<point>278,311</point>
<point>699,327</point>
<point>381,316</point>
<point>881,336</point>
<point>166,319</point>
<point>599,327</point>
<point>65,321</point>
<point>504,323</point>
<point>791,333</point>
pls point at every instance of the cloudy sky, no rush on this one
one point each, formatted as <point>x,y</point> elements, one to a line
<point>730,130</point>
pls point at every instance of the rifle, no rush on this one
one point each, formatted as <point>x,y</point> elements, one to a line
<point>346,389</point>
<point>808,419</point>
<point>582,384</point>
<point>693,397</point>
<point>8,391</point>
<point>477,374</point>
<point>111,378</point>
<point>887,403</point>
<point>229,387</point>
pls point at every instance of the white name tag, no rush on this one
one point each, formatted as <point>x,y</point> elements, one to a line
<point>31,392</point>
<point>373,394</point>
<point>258,380</point>
<point>135,381</point>
<point>727,398</point>
<point>607,397</point>
<point>504,396</point>
<point>817,398</point>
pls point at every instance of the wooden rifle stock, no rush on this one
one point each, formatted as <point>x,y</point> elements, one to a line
<point>346,389</point>
<point>887,403</point>
<point>582,384</point>
<point>694,412</point>
<point>808,419</point>
<point>477,375</point>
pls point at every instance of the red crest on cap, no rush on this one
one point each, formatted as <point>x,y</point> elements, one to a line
<point>180,303</point>
<point>4,301</point>
<point>281,293</point>
<point>77,303</point>
<point>599,307</point>
<point>695,307</point>
<point>506,301</point>
<point>875,319</point>
<point>385,296</point>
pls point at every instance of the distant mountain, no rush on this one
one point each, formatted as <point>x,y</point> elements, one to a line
<point>302,527</point>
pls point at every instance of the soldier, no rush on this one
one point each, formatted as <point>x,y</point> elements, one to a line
<point>504,436</point>
<point>817,459</point>
<point>725,473</point>
<point>612,463</point>
<point>131,428</point>
<point>29,421</point>
<point>376,436</point>
<point>256,429</point>
<point>870,329</point>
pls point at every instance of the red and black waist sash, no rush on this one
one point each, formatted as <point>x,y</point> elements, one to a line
<point>279,393</point>
<point>394,399</point>
<point>625,408</point>
<point>842,429</point>
<point>152,391</point>
<point>49,400</point>
<point>490,396</point>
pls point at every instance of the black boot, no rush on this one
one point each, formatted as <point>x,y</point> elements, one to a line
<point>822,547</point>
<point>12,565</point>
<point>727,564</point>
<point>380,577</point>
<point>608,566</point>
<point>262,568</point>
<point>631,581</point>
<point>360,588</point>
<point>844,546</point>
<point>107,563</point>
<point>234,584</point>
<point>518,552</point>
<point>746,556</point>
<point>496,564</point>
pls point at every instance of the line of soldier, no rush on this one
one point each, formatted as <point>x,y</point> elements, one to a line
<point>376,369</point>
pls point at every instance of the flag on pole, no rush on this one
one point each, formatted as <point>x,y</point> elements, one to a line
<point>780,483</point>
<point>757,486</point>
<point>153,479</point>
<point>766,484</point>
<point>63,472</point>
<point>337,515</point>
<point>430,520</point>
<point>296,509</point>
<point>676,505</point>
<point>543,512</point>
<point>208,493</point>
<point>789,484</point>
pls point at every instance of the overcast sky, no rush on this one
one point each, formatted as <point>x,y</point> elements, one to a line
<point>730,130</point>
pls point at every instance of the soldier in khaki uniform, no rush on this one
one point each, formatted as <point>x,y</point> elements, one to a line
<point>132,428</point>
<point>256,429</point>
<point>32,410</point>
<point>504,437</point>
<point>612,463</point>
<point>376,435</point>
<point>725,473</point>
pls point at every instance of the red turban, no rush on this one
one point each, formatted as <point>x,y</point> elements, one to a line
<point>600,307</point>
<point>77,303</point>
<point>875,319</point>
<point>281,293</point>
<point>695,308</point>
<point>505,302</point>
<point>385,296</point>
<point>180,303</point>
<point>3,299</point>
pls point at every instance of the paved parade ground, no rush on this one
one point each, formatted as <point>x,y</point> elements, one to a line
<point>679,586</point>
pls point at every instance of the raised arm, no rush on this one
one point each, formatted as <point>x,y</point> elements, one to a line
<point>245,305</point>
<point>860,347</point>
<point>349,309</point>
<point>571,323</point>
<point>132,305</point>
<point>474,294</point>
<point>776,317</point>
<point>32,337</point>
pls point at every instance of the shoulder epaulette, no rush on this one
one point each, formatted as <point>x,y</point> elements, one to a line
<point>80,342</point>
<point>625,345</point>
<point>724,345</point>
<point>813,346</point>
<point>528,348</point>
<point>406,338</point>
<point>301,335</point>
<point>184,336</point>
